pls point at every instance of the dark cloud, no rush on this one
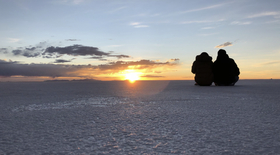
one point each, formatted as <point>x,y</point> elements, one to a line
<point>31,49</point>
<point>75,50</point>
<point>120,56</point>
<point>98,58</point>
<point>11,68</point>
<point>224,45</point>
<point>41,44</point>
<point>41,50</point>
<point>175,59</point>
<point>17,52</point>
<point>49,57</point>
<point>61,61</point>
<point>4,50</point>
<point>7,62</point>
<point>27,52</point>
<point>79,50</point>
<point>72,40</point>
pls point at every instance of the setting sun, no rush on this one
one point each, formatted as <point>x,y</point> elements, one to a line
<point>132,76</point>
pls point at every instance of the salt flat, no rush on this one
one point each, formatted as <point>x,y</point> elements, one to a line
<point>149,117</point>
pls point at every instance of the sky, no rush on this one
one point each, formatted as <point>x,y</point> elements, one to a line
<point>145,39</point>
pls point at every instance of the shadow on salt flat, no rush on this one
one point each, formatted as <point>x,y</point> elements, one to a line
<point>95,102</point>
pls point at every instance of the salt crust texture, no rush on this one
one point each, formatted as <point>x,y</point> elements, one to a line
<point>158,117</point>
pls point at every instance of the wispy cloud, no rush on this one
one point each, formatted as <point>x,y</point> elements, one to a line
<point>271,63</point>
<point>240,23</point>
<point>224,45</point>
<point>141,26</point>
<point>75,2</point>
<point>196,21</point>
<point>207,34</point>
<point>201,21</point>
<point>207,28</point>
<point>204,8</point>
<point>114,45</point>
<point>13,40</point>
<point>264,14</point>
<point>138,25</point>
<point>152,76</point>
<point>155,15</point>
<point>117,9</point>
<point>273,21</point>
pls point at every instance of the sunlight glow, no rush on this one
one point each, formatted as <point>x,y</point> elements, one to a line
<point>132,76</point>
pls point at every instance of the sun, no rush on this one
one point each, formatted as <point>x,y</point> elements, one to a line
<point>132,77</point>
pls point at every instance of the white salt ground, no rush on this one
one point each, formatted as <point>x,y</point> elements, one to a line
<point>142,118</point>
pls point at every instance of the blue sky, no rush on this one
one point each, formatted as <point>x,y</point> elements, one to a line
<point>158,39</point>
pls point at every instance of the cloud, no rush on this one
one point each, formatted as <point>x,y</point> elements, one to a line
<point>114,45</point>
<point>138,25</point>
<point>30,51</point>
<point>271,63</point>
<point>117,9</point>
<point>207,28</point>
<point>175,60</point>
<point>119,56</point>
<point>201,21</point>
<point>75,2</point>
<point>142,64</point>
<point>134,23</point>
<point>264,14</point>
<point>74,50</point>
<point>13,40</point>
<point>240,23</point>
<point>41,50</point>
<point>273,21</point>
<point>61,61</point>
<point>27,52</point>
<point>80,50</point>
<point>141,26</point>
<point>196,21</point>
<point>204,8</point>
<point>4,50</point>
<point>98,58</point>
<point>72,40</point>
<point>7,62</point>
<point>13,68</point>
<point>207,34</point>
<point>224,45</point>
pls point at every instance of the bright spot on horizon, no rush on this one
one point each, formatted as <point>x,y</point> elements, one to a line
<point>132,76</point>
